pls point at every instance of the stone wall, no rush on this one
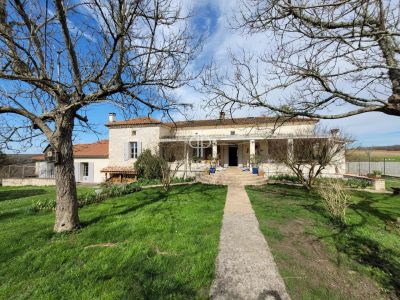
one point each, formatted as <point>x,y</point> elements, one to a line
<point>27,181</point>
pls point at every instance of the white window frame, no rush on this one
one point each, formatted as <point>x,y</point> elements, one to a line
<point>85,169</point>
<point>133,149</point>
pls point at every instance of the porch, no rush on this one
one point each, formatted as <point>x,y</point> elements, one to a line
<point>199,151</point>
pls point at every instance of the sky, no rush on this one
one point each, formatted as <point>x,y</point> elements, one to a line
<point>213,20</point>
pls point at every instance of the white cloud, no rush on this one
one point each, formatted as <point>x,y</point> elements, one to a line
<point>368,129</point>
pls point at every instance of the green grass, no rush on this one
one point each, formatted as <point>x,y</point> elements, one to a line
<point>392,182</point>
<point>315,258</point>
<point>147,245</point>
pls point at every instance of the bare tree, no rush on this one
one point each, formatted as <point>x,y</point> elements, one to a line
<point>321,54</point>
<point>57,57</point>
<point>308,155</point>
<point>171,160</point>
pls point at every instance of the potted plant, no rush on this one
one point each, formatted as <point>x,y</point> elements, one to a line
<point>255,162</point>
<point>377,173</point>
<point>195,159</point>
<point>213,165</point>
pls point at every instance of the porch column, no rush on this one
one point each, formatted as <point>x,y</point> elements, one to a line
<point>290,149</point>
<point>214,149</point>
<point>252,151</point>
<point>252,148</point>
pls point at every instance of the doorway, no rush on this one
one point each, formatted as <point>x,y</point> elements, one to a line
<point>233,155</point>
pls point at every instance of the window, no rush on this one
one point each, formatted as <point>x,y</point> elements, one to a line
<point>85,169</point>
<point>133,132</point>
<point>232,132</point>
<point>133,149</point>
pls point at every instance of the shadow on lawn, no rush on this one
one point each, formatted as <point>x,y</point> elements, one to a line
<point>361,248</point>
<point>16,194</point>
<point>153,197</point>
<point>348,239</point>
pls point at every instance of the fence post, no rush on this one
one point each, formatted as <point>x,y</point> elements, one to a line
<point>23,171</point>
<point>384,166</point>
<point>9,171</point>
<point>359,167</point>
<point>369,163</point>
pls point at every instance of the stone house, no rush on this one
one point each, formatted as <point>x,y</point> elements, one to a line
<point>228,142</point>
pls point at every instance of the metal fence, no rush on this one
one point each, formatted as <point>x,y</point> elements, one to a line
<point>387,167</point>
<point>17,171</point>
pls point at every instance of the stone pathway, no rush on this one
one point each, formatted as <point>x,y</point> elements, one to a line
<point>245,268</point>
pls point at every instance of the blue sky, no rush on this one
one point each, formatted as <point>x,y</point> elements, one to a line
<point>212,19</point>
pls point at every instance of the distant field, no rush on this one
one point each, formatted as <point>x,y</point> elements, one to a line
<point>376,155</point>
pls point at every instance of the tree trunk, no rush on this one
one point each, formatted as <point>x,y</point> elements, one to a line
<point>67,217</point>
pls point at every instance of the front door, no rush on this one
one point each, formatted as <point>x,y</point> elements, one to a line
<point>233,156</point>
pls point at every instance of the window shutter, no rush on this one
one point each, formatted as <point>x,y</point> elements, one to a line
<point>139,148</point>
<point>126,151</point>
<point>76,171</point>
<point>91,172</point>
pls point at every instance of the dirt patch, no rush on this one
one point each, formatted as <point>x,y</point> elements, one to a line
<point>306,264</point>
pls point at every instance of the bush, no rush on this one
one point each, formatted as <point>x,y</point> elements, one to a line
<point>357,183</point>
<point>91,197</point>
<point>377,173</point>
<point>336,199</point>
<point>285,177</point>
<point>148,166</point>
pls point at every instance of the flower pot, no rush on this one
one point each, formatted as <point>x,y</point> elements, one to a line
<point>212,170</point>
<point>255,170</point>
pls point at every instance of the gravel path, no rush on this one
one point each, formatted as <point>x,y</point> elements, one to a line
<point>245,268</point>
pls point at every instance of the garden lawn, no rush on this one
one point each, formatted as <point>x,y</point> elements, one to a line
<point>320,261</point>
<point>392,182</point>
<point>149,244</point>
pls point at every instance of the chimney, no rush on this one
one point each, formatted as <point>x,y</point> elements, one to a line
<point>111,117</point>
<point>222,115</point>
<point>334,132</point>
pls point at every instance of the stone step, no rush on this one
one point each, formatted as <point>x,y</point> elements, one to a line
<point>251,180</point>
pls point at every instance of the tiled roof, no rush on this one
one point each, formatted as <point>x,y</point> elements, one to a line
<point>93,150</point>
<point>238,121</point>
<point>136,121</point>
<point>211,122</point>
<point>99,149</point>
<point>117,169</point>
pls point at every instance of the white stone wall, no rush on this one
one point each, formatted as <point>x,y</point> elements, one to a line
<point>118,137</point>
<point>286,129</point>
<point>28,181</point>
<point>98,164</point>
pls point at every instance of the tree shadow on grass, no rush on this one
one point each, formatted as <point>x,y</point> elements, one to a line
<point>368,252</point>
<point>363,249</point>
<point>128,208</point>
<point>17,194</point>
<point>382,262</point>
<point>149,197</point>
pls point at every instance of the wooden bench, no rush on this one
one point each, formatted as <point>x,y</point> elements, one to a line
<point>396,190</point>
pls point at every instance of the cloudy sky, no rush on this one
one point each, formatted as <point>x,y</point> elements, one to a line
<point>213,20</point>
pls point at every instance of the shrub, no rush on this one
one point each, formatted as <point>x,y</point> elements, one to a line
<point>376,173</point>
<point>285,177</point>
<point>90,197</point>
<point>335,198</point>
<point>357,183</point>
<point>148,166</point>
